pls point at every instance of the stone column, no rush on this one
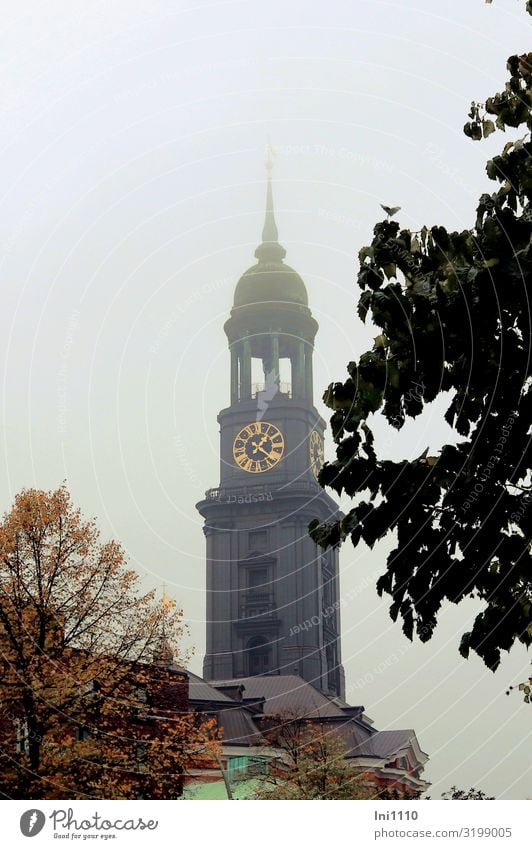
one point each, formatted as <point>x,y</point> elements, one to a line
<point>245,370</point>
<point>234,375</point>
<point>308,373</point>
<point>275,359</point>
<point>299,382</point>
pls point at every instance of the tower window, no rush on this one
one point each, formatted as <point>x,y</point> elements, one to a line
<point>258,540</point>
<point>330,654</point>
<point>259,654</point>
<point>258,579</point>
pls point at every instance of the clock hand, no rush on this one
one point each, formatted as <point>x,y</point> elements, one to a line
<point>271,456</point>
<point>257,446</point>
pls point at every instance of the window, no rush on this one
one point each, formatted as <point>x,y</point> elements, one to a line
<point>256,610</point>
<point>237,767</point>
<point>140,696</point>
<point>258,766</point>
<point>259,654</point>
<point>330,654</point>
<point>258,540</point>
<point>327,583</point>
<point>141,757</point>
<point>22,736</point>
<point>82,733</point>
<point>141,693</point>
<point>258,579</point>
<point>90,689</point>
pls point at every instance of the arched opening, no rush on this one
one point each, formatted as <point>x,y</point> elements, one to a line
<point>259,656</point>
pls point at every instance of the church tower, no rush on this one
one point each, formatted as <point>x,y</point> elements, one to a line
<point>272,594</point>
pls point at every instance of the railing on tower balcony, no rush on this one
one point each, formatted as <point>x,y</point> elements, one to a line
<point>257,492</point>
<point>284,389</point>
<point>257,605</point>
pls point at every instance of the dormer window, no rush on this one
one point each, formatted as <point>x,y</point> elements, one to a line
<point>141,693</point>
<point>82,733</point>
<point>22,736</point>
<point>141,757</point>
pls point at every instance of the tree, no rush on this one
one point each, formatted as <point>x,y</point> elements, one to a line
<point>88,705</point>
<point>454,794</point>
<point>454,316</point>
<point>525,687</point>
<point>313,766</point>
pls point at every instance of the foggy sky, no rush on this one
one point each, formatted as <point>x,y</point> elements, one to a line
<point>132,196</point>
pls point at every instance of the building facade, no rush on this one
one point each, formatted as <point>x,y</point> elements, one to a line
<point>266,579</point>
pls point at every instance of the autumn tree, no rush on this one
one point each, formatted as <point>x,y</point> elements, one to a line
<point>88,703</point>
<point>453,312</point>
<point>455,794</point>
<point>313,765</point>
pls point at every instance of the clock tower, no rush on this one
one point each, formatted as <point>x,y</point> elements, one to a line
<point>272,594</point>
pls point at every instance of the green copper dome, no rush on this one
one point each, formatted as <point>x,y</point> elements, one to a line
<point>270,279</point>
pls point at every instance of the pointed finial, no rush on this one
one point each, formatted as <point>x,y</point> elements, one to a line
<point>269,232</point>
<point>270,248</point>
<point>270,158</point>
<point>166,600</point>
<point>163,654</point>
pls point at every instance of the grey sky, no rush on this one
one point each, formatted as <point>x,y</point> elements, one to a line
<point>132,192</point>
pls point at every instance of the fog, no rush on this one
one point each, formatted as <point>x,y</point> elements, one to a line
<point>133,183</point>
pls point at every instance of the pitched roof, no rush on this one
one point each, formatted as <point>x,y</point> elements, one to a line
<point>238,727</point>
<point>201,691</point>
<point>234,720</point>
<point>386,743</point>
<point>284,694</point>
<point>274,695</point>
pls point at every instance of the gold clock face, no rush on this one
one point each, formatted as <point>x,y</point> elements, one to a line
<point>258,447</point>
<point>316,452</point>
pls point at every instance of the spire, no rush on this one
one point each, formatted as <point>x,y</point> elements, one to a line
<point>163,654</point>
<point>270,250</point>
<point>269,232</point>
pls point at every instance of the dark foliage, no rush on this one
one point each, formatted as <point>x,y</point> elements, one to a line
<point>454,313</point>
